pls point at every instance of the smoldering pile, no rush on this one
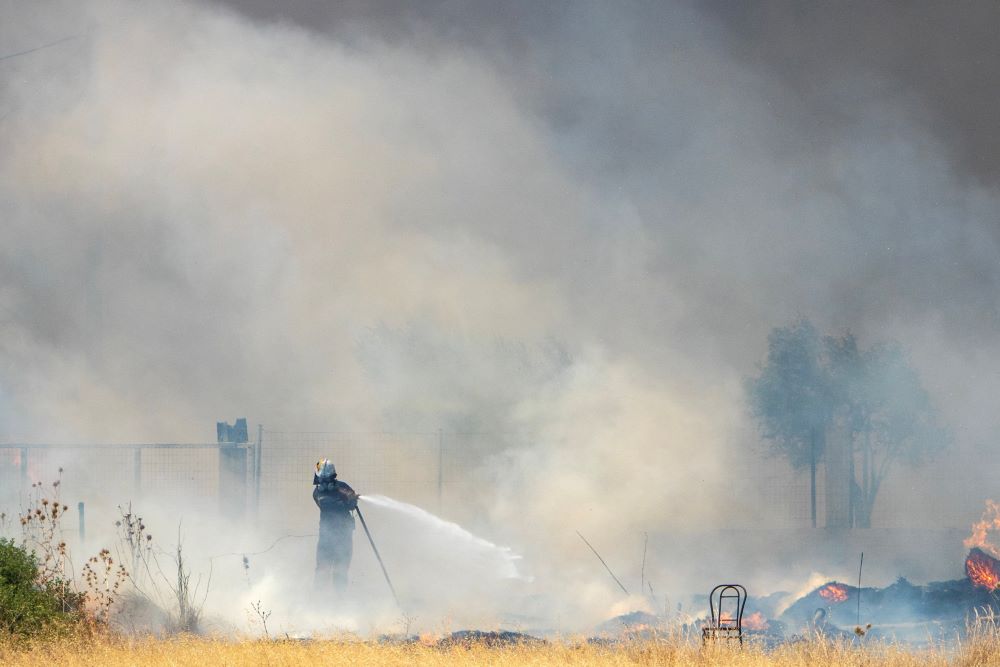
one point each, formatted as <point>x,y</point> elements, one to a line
<point>902,611</point>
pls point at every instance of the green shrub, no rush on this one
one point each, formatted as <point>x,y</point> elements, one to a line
<point>28,607</point>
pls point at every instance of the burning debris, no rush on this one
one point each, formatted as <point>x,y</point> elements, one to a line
<point>903,608</point>
<point>756,622</point>
<point>936,608</point>
<point>982,565</point>
<point>982,570</point>
<point>833,593</point>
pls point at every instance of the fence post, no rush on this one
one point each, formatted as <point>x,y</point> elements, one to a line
<point>233,468</point>
<point>137,470</point>
<point>24,467</point>
<point>258,456</point>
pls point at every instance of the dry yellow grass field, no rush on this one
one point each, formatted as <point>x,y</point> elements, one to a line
<point>220,653</point>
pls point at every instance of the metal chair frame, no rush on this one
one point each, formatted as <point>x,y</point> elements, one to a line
<point>721,627</point>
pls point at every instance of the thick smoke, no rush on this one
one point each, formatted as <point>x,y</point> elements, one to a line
<point>574,220</point>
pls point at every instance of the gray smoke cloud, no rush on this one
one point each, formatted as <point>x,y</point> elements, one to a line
<point>577,220</point>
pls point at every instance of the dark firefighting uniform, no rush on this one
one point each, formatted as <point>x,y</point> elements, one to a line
<point>334,549</point>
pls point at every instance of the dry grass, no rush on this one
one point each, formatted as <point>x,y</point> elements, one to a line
<point>218,653</point>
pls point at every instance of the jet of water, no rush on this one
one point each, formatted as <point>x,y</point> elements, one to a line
<point>453,536</point>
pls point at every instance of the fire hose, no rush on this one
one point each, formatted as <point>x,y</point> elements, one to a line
<point>378,556</point>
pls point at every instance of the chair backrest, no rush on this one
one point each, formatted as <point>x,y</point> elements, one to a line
<point>733,596</point>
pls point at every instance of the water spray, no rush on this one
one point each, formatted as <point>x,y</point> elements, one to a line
<point>499,558</point>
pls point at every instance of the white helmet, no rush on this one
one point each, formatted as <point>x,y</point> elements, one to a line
<point>325,470</point>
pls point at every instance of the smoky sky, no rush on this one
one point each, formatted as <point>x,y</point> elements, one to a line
<point>804,81</point>
<point>942,59</point>
<point>670,109</point>
<point>578,220</point>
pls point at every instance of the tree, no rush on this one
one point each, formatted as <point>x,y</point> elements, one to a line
<point>791,399</point>
<point>810,385</point>
<point>887,412</point>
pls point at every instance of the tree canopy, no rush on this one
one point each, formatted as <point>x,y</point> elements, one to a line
<point>810,384</point>
<point>792,397</point>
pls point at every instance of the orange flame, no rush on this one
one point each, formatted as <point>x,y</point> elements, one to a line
<point>755,621</point>
<point>982,570</point>
<point>833,593</point>
<point>980,530</point>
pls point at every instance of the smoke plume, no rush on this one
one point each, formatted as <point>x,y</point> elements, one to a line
<point>577,221</point>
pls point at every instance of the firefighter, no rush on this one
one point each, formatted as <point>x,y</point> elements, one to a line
<point>335,500</point>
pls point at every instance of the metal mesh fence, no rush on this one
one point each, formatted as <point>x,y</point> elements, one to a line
<point>785,499</point>
<point>431,469</point>
<point>187,472</point>
<point>446,472</point>
<point>111,474</point>
<point>909,498</point>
